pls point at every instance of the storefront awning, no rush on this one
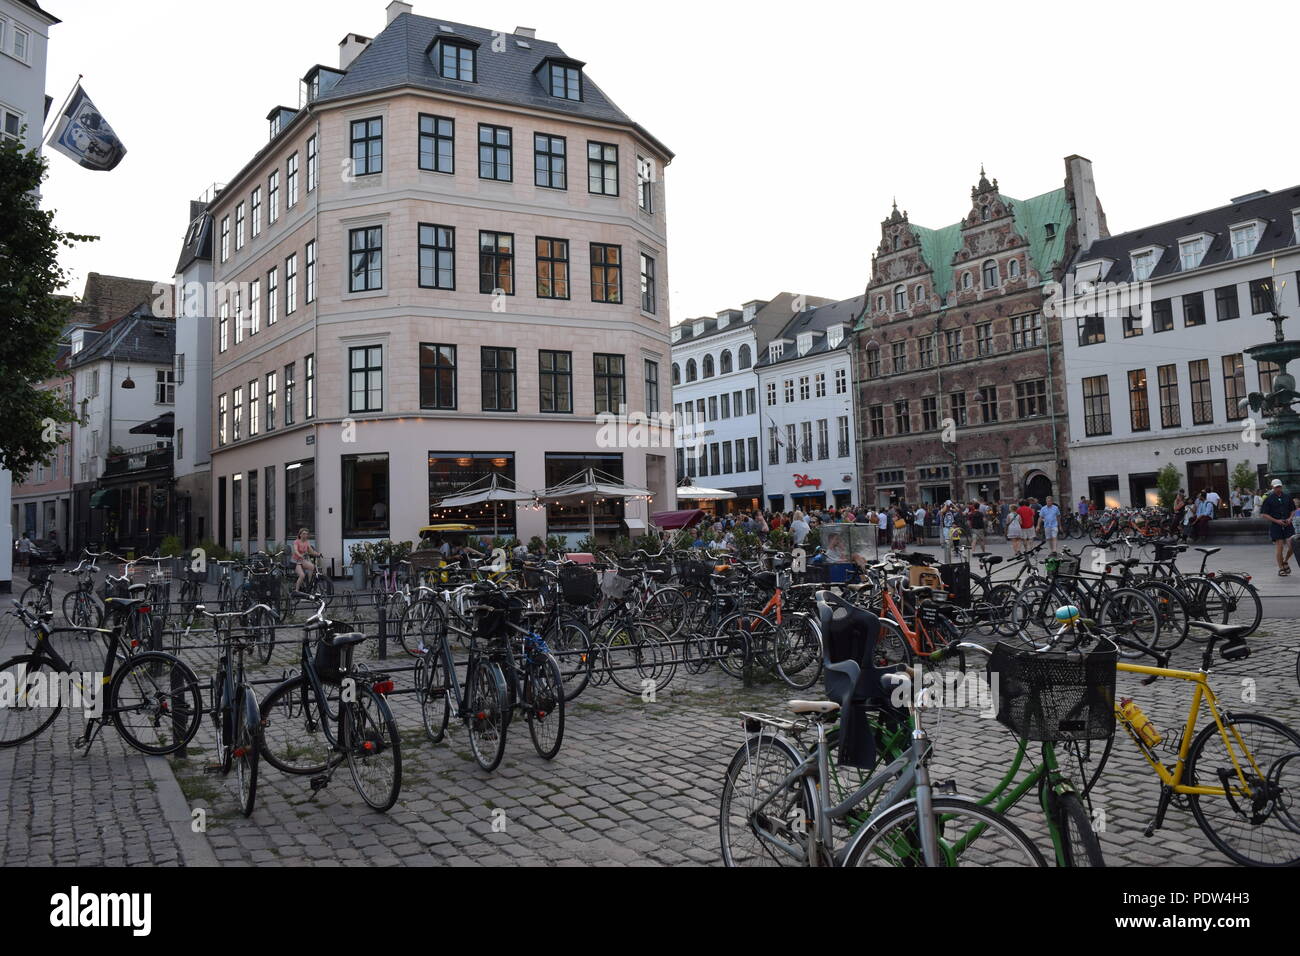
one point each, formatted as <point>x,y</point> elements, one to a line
<point>634,524</point>
<point>672,520</point>
<point>97,497</point>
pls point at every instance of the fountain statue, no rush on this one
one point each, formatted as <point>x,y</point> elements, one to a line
<point>1283,431</point>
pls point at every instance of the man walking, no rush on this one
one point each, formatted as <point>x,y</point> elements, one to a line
<point>1049,519</point>
<point>1277,512</point>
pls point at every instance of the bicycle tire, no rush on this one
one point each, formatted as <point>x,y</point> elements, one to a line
<point>1079,843</point>
<point>570,642</point>
<point>666,608</point>
<point>639,648</point>
<point>1244,605</point>
<point>799,651</point>
<point>486,720</point>
<point>544,700</point>
<point>741,826</point>
<point>889,839</point>
<point>434,690</point>
<point>222,723</point>
<point>85,610</point>
<point>293,738</point>
<point>1175,617</point>
<point>246,752</point>
<point>35,597</point>
<point>11,735</point>
<point>170,701</point>
<point>733,643</point>
<point>1132,614</point>
<point>369,738</point>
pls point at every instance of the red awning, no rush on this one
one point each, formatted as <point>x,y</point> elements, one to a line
<point>672,520</point>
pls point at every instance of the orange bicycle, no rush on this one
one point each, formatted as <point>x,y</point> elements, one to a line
<point>787,643</point>
<point>912,623</point>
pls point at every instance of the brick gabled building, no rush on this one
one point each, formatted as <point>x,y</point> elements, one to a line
<point>959,377</point>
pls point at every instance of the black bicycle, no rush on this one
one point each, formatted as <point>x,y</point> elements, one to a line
<point>334,712</point>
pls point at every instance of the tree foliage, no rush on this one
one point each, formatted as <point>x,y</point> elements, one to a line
<point>1168,481</point>
<point>31,317</point>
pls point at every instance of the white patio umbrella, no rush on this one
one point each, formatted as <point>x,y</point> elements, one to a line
<point>493,489</point>
<point>697,493</point>
<point>591,484</point>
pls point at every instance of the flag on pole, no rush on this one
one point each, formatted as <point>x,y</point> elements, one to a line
<point>81,133</point>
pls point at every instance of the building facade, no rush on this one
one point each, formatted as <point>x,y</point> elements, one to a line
<point>192,442</point>
<point>450,262</point>
<point>960,386</point>
<point>805,394</point>
<point>1156,321</point>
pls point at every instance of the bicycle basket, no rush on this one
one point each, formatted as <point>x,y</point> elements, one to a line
<point>1167,551</point>
<point>39,573</point>
<point>696,572</point>
<point>1055,696</point>
<point>329,661</point>
<point>615,586</point>
<point>578,584</point>
<point>1062,564</point>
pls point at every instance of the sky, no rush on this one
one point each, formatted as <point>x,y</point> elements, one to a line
<point>794,126</point>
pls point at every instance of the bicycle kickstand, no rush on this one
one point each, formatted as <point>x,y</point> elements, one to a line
<point>1166,795</point>
<point>93,726</point>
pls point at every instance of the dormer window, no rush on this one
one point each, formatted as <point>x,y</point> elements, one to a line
<point>699,328</point>
<point>455,59</point>
<point>805,342</point>
<point>566,82</point>
<point>1144,263</point>
<point>1244,239</point>
<point>775,350</point>
<point>1295,226</point>
<point>834,336</point>
<point>1049,230</point>
<point>275,125</point>
<point>1191,252</point>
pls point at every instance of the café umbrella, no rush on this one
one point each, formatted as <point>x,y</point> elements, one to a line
<point>590,484</point>
<point>492,490</point>
<point>697,493</point>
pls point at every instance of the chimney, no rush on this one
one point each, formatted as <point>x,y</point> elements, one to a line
<point>528,33</point>
<point>1089,220</point>
<point>396,9</point>
<point>350,48</point>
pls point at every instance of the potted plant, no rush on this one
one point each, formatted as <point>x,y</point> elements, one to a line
<point>361,554</point>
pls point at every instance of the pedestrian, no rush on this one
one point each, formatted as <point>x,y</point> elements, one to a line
<point>882,526</point>
<point>301,556</point>
<point>976,520</point>
<point>1212,497</point>
<point>901,526</point>
<point>799,527</point>
<point>1049,519</point>
<point>918,522</point>
<point>1204,514</point>
<point>1278,513</point>
<point>1022,526</point>
<point>1083,507</point>
<point>1247,502</point>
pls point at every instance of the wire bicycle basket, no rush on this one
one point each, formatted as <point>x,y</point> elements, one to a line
<point>1055,696</point>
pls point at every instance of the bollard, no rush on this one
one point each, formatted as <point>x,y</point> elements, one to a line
<point>383,632</point>
<point>178,719</point>
<point>749,661</point>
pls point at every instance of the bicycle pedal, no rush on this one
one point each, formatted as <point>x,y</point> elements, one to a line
<point>946,787</point>
<point>319,782</point>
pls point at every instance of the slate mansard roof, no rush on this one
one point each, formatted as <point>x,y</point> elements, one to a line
<point>845,312</point>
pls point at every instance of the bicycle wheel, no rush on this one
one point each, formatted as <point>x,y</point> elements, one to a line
<point>36,598</point>
<point>421,625</point>
<point>1174,616</point>
<point>80,609</point>
<point>1243,603</point>
<point>485,713</point>
<point>155,702</point>
<point>892,646</point>
<point>638,658</point>
<point>761,822</point>
<point>570,642</point>
<point>1131,614</point>
<point>261,624</point>
<point>666,608</point>
<point>368,736</point>
<point>737,641</point>
<point>968,835</point>
<point>293,735</point>
<point>1252,823</point>
<point>544,703</point>
<point>27,681</point>
<point>1033,615</point>
<point>1208,602</point>
<point>1079,843</point>
<point>223,730</point>
<point>433,687</point>
<point>799,651</point>
<point>246,753</point>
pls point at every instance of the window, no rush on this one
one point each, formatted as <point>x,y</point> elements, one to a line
<point>271,398</point>
<point>455,61</point>
<point>289,384</point>
<point>611,389</point>
<point>437,256</point>
<point>365,495</point>
<point>309,364</point>
<point>967,283</point>
<point>918,293</point>
<point>496,263</point>
<point>873,362</point>
<point>437,143</point>
<point>437,376</point>
<point>692,370</point>
<point>803,388</point>
<point>902,418</point>
<point>952,343</point>
<point>740,456</point>
<point>499,375</point>
<point>1092,329</point>
<point>900,299</point>
<point>1234,385</point>
<point>925,351</point>
<point>313,163</point>
<point>1132,325</point>
<point>713,408</point>
<point>239,227</point>
<point>789,390</point>
<point>225,238</point>
<point>929,413</point>
<point>751,402</point>
<point>291,182</point>
<point>1162,315</point>
<point>366,379</point>
<point>1144,263</point>
<point>1171,415</point>
<point>367,146</point>
<point>237,502</point>
<point>223,327</point>
<point>549,161</point>
<point>1013,269</point>
<point>652,388</point>
<point>366,247</point>
<point>273,196</point>
<point>566,81</point>
<point>555,374</point>
<point>237,415</point>
<point>726,458</point>
<point>677,374</point>
<point>239,316</point>
<point>990,274</point>
<point>806,445</point>
<point>1026,331</point>
<point>771,393</point>
<point>290,284</point>
<point>819,385</point>
<point>841,381</point>
<point>744,358</point>
<point>775,350</point>
<point>18,44</point>
<point>257,211</point>
<point>606,273</point>
<point>1031,398</point>
<point>773,445</point>
<point>1202,400</point>
<point>1244,240</point>
<point>645,184</point>
<point>899,356</point>
<point>1193,309</point>
<point>1261,296</point>
<point>1139,404</point>
<point>495,153</point>
<point>957,407</point>
<point>1225,303</point>
<point>255,306</point>
<point>299,496</point>
<point>1190,252</point>
<point>13,122</point>
<point>989,403</point>
<point>222,412</point>
<point>648,288</point>
<point>602,169</point>
<point>311,272</point>
<point>165,387</point>
<point>1267,372</point>
<point>823,439</point>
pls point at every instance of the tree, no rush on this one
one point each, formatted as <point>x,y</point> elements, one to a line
<point>1168,481</point>
<point>1244,476</point>
<point>31,318</point>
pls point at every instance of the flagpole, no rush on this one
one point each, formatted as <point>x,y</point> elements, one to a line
<point>66,101</point>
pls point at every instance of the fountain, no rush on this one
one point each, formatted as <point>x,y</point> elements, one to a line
<point>1283,431</point>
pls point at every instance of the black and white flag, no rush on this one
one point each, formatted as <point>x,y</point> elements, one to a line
<point>81,133</point>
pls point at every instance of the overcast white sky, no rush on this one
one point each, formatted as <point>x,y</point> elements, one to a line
<point>794,124</point>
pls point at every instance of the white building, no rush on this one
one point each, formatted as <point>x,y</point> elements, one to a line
<point>24,37</point>
<point>1168,387</point>
<point>805,394</point>
<point>192,443</point>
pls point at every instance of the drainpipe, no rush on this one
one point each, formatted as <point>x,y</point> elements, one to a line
<point>1051,410</point>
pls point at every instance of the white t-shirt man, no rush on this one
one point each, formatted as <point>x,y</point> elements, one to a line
<point>919,518</point>
<point>1213,498</point>
<point>883,519</point>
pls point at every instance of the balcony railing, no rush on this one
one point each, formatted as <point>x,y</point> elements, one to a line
<point>138,459</point>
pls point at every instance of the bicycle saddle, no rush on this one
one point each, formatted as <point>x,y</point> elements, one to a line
<point>812,706</point>
<point>343,640</point>
<point>1226,631</point>
<point>1209,551</point>
<point>122,605</point>
<point>990,560</point>
<point>920,593</point>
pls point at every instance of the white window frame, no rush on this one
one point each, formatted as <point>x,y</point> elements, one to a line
<point>1146,254</point>
<point>1242,227</point>
<point>1204,240</point>
<point>5,108</point>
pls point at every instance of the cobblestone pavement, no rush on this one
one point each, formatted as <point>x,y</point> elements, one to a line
<point>636,783</point>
